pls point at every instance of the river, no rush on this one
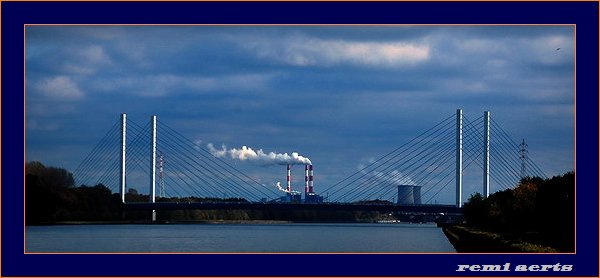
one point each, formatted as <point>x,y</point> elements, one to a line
<point>238,238</point>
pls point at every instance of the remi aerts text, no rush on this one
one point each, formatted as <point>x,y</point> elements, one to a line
<point>521,267</point>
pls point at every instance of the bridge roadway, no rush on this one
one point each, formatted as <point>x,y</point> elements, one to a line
<point>446,209</point>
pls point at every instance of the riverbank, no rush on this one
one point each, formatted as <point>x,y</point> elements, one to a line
<point>126,222</point>
<point>472,240</point>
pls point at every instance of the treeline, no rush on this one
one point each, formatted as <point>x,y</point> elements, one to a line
<point>537,210</point>
<point>51,196</point>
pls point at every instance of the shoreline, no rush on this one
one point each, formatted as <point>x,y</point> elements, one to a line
<point>211,222</point>
<point>472,240</point>
<point>161,222</point>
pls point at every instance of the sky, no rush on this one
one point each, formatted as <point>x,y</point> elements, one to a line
<point>337,95</point>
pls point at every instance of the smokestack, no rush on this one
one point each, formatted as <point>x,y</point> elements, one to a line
<point>289,179</point>
<point>305,179</point>
<point>311,189</point>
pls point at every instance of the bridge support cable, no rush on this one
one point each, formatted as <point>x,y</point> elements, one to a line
<point>536,170</point>
<point>438,178</point>
<point>509,152</point>
<point>444,157</point>
<point>379,168</point>
<point>100,172</point>
<point>139,153</point>
<point>377,164</point>
<point>507,157</point>
<point>107,176</point>
<point>500,156</point>
<point>417,168</point>
<point>472,134</point>
<point>449,178</point>
<point>475,139</point>
<point>224,169</point>
<point>222,181</point>
<point>200,168</point>
<point>138,156</point>
<point>190,176</point>
<point>338,186</point>
<point>510,142</point>
<point>470,161</point>
<point>419,173</point>
<point>217,166</point>
<point>195,179</point>
<point>142,158</point>
<point>85,170</point>
<point>504,166</point>
<point>389,173</point>
<point>196,173</point>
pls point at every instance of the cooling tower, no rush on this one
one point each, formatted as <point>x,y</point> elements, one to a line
<point>417,194</point>
<point>406,195</point>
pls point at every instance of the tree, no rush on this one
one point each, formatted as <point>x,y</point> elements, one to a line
<point>476,210</point>
<point>50,196</point>
<point>541,207</point>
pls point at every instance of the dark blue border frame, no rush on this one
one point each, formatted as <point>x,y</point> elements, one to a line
<point>15,14</point>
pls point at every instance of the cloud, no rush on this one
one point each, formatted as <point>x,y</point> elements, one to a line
<point>159,85</point>
<point>59,88</point>
<point>42,126</point>
<point>306,51</point>
<point>94,54</point>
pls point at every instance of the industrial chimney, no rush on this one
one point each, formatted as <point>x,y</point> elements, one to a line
<point>289,179</point>
<point>311,188</point>
<point>305,180</point>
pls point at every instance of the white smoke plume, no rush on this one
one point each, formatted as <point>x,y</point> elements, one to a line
<point>278,185</point>
<point>394,178</point>
<point>259,156</point>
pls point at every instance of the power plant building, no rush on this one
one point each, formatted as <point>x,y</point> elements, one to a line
<point>409,195</point>
<point>309,193</point>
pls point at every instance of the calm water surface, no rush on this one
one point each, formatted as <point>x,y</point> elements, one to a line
<point>277,238</point>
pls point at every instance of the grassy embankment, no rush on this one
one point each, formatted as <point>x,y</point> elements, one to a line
<point>472,240</point>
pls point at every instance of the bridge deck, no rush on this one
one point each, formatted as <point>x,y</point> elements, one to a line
<point>294,206</point>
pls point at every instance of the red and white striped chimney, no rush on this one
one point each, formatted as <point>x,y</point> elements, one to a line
<point>311,189</point>
<point>289,179</point>
<point>305,179</point>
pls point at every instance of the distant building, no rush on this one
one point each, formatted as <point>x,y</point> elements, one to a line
<point>409,195</point>
<point>294,197</point>
<point>312,198</point>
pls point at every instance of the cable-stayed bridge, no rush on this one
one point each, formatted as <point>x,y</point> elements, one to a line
<point>182,174</point>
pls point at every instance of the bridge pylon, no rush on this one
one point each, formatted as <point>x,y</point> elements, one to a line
<point>123,156</point>
<point>486,154</point>
<point>459,156</point>
<point>153,166</point>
